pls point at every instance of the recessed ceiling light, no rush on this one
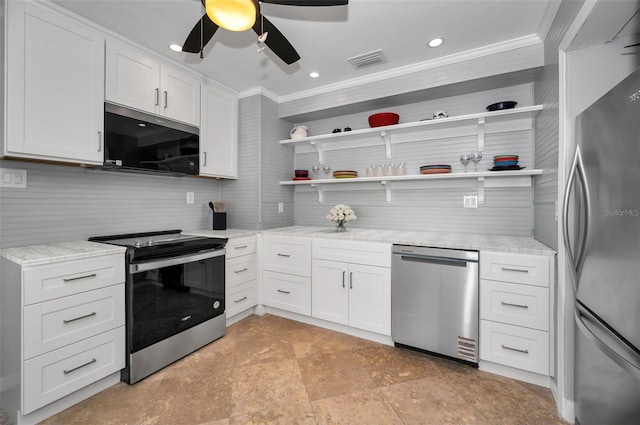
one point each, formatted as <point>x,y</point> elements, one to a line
<point>175,47</point>
<point>314,74</point>
<point>436,42</point>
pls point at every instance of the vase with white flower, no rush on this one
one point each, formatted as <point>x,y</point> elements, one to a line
<point>340,214</point>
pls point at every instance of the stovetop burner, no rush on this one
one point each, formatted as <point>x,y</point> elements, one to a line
<point>161,244</point>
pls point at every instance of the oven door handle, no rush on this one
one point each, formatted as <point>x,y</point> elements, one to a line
<point>174,261</point>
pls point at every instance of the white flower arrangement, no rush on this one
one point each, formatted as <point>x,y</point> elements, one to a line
<point>340,214</point>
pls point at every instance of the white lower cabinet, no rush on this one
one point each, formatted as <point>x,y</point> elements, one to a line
<point>241,275</point>
<point>352,294</point>
<point>287,292</point>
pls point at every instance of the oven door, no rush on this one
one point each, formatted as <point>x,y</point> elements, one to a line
<point>168,296</point>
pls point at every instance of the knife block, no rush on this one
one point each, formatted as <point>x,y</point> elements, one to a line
<point>219,221</point>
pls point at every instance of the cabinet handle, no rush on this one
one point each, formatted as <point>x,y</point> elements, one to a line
<point>241,270</point>
<point>284,292</point>
<point>93,313</point>
<point>240,300</point>
<point>514,305</point>
<point>166,102</point>
<point>66,372</point>
<point>343,273</point>
<point>240,247</point>
<point>350,280</point>
<point>71,279</point>
<point>509,269</point>
<point>515,349</point>
<point>157,96</point>
<point>204,160</point>
<point>99,141</point>
<point>284,255</point>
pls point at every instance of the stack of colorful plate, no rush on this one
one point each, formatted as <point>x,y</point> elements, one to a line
<point>506,162</point>
<point>435,169</point>
<point>345,174</point>
<point>301,175</point>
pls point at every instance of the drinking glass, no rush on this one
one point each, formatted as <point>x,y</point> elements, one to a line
<point>465,158</point>
<point>475,158</point>
<point>326,170</point>
<point>315,170</point>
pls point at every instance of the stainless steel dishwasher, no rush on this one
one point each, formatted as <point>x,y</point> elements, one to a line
<point>434,301</point>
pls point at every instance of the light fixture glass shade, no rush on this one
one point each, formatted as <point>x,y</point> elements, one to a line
<point>232,15</point>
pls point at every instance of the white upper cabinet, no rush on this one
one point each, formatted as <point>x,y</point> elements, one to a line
<point>136,80</point>
<point>55,86</point>
<point>219,133</point>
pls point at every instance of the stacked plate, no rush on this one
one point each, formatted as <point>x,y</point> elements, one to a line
<point>435,169</point>
<point>505,162</point>
<point>344,174</point>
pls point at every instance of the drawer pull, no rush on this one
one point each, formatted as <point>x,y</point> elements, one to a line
<point>71,279</point>
<point>66,372</point>
<point>93,313</point>
<point>240,300</point>
<point>240,246</point>
<point>514,305</point>
<point>241,270</point>
<point>284,255</point>
<point>284,292</point>
<point>343,273</point>
<point>515,349</point>
<point>510,269</point>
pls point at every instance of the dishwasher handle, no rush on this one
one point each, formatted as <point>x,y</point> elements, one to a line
<point>443,261</point>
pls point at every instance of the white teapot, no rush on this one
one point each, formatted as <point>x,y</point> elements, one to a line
<point>299,132</point>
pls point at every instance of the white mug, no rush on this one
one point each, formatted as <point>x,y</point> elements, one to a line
<point>299,132</point>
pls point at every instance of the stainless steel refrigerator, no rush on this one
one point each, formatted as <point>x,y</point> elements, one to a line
<point>601,225</point>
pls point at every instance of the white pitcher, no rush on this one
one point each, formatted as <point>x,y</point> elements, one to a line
<point>299,132</point>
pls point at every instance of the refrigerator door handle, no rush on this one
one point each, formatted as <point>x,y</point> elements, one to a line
<point>630,365</point>
<point>577,168</point>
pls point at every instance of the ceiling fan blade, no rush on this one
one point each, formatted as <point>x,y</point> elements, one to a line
<point>308,2</point>
<point>276,41</point>
<point>200,35</point>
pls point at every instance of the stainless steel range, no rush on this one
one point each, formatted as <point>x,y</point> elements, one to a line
<point>175,297</point>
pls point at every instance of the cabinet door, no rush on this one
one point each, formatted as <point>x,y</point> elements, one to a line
<point>55,90</point>
<point>370,298</point>
<point>218,133</point>
<point>180,97</point>
<point>329,291</point>
<point>132,78</point>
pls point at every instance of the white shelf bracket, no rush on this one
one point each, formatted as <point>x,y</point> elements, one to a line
<point>481,122</point>
<point>318,147</point>
<point>387,188</point>
<point>386,138</point>
<point>480,190</point>
<point>320,190</point>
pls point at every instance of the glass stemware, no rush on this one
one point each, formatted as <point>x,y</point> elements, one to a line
<point>465,158</point>
<point>475,158</point>
<point>326,170</point>
<point>315,170</point>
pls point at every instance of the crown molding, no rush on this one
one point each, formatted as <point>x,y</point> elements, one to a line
<point>259,91</point>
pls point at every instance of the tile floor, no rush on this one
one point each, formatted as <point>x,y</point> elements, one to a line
<point>270,370</point>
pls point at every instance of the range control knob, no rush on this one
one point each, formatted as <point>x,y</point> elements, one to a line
<point>138,244</point>
<point>216,305</point>
<point>150,242</point>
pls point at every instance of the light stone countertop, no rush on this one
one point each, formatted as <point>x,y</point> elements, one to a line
<point>37,255</point>
<point>229,233</point>
<point>512,244</point>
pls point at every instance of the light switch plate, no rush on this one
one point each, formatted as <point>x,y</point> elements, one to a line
<point>470,201</point>
<point>12,178</point>
<point>190,197</point>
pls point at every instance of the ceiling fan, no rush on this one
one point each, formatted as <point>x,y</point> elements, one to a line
<point>240,15</point>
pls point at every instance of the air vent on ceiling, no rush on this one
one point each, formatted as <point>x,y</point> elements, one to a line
<point>367,59</point>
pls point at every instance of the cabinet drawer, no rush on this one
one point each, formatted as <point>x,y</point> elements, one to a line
<point>515,304</point>
<point>58,373</point>
<point>71,277</point>
<point>367,253</point>
<point>241,246</point>
<point>516,268</point>
<point>522,348</point>
<point>241,297</point>
<point>63,321</point>
<point>287,255</point>
<point>240,270</point>
<point>287,292</point>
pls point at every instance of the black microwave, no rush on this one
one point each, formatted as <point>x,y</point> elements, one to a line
<point>138,142</point>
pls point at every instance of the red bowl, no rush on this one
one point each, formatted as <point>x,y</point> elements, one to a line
<point>383,118</point>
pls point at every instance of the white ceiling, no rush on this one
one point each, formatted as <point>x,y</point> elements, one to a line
<point>323,36</point>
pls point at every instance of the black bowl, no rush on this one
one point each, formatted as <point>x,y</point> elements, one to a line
<point>509,104</point>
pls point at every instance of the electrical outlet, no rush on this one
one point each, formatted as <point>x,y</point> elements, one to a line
<point>190,198</point>
<point>470,201</point>
<point>16,179</point>
<point>280,207</point>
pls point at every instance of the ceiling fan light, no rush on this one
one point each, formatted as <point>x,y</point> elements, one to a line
<point>232,15</point>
